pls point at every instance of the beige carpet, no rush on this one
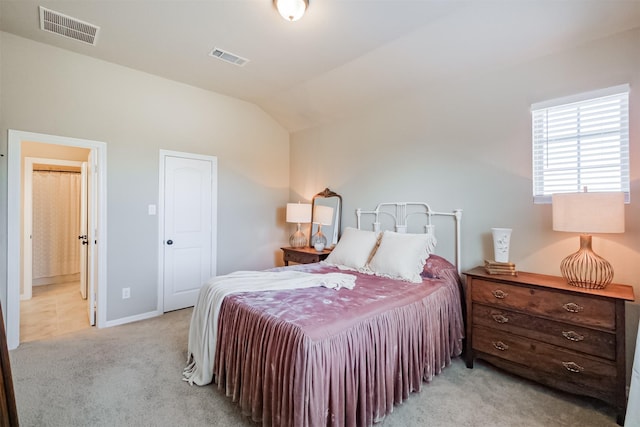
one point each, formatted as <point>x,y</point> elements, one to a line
<point>130,375</point>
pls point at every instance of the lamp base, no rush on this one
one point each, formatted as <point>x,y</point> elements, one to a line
<point>585,269</point>
<point>318,240</point>
<point>298,239</point>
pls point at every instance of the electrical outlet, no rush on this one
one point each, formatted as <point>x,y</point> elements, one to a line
<point>126,293</point>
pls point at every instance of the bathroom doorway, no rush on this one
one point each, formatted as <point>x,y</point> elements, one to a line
<point>96,303</point>
<point>54,292</point>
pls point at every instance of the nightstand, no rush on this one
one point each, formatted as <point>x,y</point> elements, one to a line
<point>304,255</point>
<point>543,329</point>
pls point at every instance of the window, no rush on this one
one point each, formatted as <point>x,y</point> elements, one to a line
<point>581,141</point>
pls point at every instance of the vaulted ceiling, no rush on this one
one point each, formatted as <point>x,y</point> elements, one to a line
<point>342,55</point>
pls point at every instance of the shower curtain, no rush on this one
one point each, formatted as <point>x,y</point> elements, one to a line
<point>56,223</point>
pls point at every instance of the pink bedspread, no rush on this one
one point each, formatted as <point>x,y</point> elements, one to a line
<point>317,357</point>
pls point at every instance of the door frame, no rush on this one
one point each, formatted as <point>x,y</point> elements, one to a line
<point>14,244</point>
<point>28,216</point>
<point>214,214</point>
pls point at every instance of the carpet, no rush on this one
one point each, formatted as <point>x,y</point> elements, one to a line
<point>131,375</point>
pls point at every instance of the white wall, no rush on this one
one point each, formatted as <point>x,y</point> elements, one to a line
<point>53,91</point>
<point>466,143</point>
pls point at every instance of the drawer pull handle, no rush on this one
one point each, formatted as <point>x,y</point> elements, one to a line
<point>573,367</point>
<point>500,294</point>
<point>499,345</point>
<point>573,307</point>
<point>572,336</point>
<point>500,318</point>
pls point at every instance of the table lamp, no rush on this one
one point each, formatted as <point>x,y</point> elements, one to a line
<point>588,213</point>
<point>298,213</point>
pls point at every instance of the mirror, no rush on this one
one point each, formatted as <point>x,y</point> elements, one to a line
<point>334,201</point>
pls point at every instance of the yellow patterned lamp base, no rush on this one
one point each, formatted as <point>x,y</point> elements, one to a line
<point>585,269</point>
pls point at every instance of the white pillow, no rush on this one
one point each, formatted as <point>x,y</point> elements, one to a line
<point>401,256</point>
<point>353,250</point>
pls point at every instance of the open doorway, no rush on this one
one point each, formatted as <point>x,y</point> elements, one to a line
<point>53,298</point>
<point>17,258</point>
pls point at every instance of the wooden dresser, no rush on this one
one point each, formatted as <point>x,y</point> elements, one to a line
<point>541,328</point>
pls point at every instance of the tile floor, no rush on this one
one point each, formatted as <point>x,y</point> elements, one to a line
<point>53,310</point>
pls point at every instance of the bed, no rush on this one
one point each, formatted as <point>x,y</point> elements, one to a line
<point>319,356</point>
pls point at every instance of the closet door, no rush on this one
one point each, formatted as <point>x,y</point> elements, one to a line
<point>188,227</point>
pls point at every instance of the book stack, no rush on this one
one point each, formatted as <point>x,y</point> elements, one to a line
<point>495,267</point>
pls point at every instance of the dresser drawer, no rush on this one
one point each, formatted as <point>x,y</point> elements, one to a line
<point>564,365</point>
<point>299,258</point>
<point>303,255</point>
<point>553,304</point>
<point>571,337</point>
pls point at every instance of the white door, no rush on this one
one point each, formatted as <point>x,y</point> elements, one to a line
<point>188,228</point>
<point>83,238</point>
<point>92,235</point>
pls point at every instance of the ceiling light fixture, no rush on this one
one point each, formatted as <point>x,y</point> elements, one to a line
<point>291,10</point>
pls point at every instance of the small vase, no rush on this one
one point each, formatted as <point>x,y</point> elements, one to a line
<point>501,238</point>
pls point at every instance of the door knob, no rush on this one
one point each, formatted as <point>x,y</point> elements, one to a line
<point>169,242</point>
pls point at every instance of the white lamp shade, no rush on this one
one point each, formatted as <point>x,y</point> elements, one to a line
<point>298,212</point>
<point>323,215</point>
<point>291,10</point>
<point>588,212</point>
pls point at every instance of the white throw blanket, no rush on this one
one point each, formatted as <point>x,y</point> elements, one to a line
<point>204,321</point>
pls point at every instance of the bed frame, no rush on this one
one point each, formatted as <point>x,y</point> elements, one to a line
<point>400,212</point>
<point>347,370</point>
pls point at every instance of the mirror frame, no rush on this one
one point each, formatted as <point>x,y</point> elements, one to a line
<point>337,216</point>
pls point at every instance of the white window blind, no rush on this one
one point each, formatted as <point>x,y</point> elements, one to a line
<point>581,141</point>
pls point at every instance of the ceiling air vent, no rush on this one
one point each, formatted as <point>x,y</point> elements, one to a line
<point>72,28</point>
<point>223,55</point>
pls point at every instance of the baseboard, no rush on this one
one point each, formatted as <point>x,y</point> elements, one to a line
<point>55,280</point>
<point>137,317</point>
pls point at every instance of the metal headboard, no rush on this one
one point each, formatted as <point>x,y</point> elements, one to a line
<point>400,215</point>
